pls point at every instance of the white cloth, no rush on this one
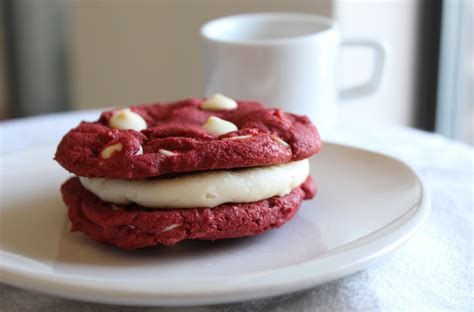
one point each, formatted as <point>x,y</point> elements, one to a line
<point>432,272</point>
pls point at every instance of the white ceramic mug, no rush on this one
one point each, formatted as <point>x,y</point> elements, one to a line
<point>287,60</point>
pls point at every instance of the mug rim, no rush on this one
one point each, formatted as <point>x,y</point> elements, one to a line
<point>330,24</point>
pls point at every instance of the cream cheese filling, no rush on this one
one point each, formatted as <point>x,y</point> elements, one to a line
<point>204,189</point>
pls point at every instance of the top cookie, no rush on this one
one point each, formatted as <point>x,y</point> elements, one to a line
<point>181,137</point>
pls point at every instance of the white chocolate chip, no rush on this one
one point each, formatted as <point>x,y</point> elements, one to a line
<point>110,150</point>
<point>279,140</point>
<point>218,102</point>
<point>169,228</point>
<point>218,126</point>
<point>166,152</point>
<point>239,137</point>
<point>132,226</point>
<point>126,119</point>
<point>140,151</point>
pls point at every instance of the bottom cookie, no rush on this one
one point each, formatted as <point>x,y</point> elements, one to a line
<point>133,226</point>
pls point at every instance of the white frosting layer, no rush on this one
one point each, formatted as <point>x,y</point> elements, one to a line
<point>205,189</point>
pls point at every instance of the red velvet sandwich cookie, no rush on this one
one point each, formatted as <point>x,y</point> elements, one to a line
<point>195,169</point>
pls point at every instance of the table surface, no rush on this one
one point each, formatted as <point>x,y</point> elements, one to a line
<point>433,271</point>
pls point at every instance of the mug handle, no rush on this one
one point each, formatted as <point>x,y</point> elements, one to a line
<point>381,50</point>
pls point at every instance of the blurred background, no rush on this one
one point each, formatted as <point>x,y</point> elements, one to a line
<point>59,55</point>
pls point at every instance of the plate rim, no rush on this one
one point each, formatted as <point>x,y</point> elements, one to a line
<point>345,260</point>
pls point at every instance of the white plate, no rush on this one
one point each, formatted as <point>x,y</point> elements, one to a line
<point>368,204</point>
